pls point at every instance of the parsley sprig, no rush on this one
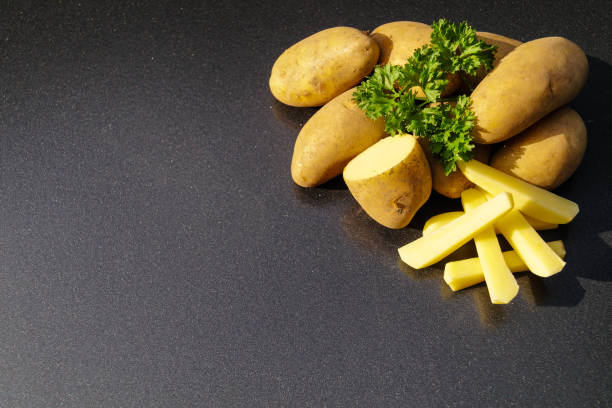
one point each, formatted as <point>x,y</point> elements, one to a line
<point>390,92</point>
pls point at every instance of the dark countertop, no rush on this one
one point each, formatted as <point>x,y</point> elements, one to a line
<point>154,251</point>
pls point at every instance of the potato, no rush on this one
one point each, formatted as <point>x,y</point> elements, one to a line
<point>536,78</point>
<point>434,247</point>
<point>320,67</point>
<point>547,153</point>
<point>504,46</point>
<point>531,200</point>
<point>391,180</point>
<point>334,135</point>
<point>398,41</point>
<point>452,185</point>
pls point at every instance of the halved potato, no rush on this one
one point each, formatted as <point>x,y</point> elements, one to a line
<point>391,180</point>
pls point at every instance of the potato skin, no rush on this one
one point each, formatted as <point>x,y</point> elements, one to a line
<point>334,135</point>
<point>547,153</point>
<point>393,197</point>
<point>397,42</point>
<point>322,66</point>
<point>504,46</point>
<point>452,185</point>
<point>536,78</point>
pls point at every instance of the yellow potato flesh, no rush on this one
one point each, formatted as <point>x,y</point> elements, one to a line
<point>529,199</point>
<point>432,248</point>
<point>468,272</point>
<point>501,284</point>
<point>439,220</point>
<point>539,258</point>
<point>391,180</point>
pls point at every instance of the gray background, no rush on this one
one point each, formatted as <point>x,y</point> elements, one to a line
<point>154,251</point>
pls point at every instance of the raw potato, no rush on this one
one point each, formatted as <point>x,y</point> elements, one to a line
<point>504,46</point>
<point>432,248</point>
<point>452,185</point>
<point>501,284</point>
<point>537,255</point>
<point>536,78</point>
<point>322,66</point>
<point>468,272</point>
<point>391,180</point>
<point>398,41</point>
<point>529,199</point>
<point>547,153</point>
<point>444,218</point>
<point>334,135</point>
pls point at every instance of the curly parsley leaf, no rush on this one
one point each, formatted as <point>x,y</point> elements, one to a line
<point>390,92</point>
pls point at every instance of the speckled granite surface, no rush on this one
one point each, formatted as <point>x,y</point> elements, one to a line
<point>154,251</point>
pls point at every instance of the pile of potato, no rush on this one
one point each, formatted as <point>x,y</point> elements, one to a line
<point>523,127</point>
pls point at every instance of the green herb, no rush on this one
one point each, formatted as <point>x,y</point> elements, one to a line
<point>389,92</point>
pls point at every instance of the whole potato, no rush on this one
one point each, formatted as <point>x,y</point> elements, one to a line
<point>452,185</point>
<point>331,138</point>
<point>547,153</point>
<point>320,67</point>
<point>536,78</point>
<point>398,41</point>
<point>391,180</point>
<point>504,46</point>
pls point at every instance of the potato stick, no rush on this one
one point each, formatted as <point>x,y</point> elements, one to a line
<point>501,284</point>
<point>529,199</point>
<point>432,248</point>
<point>439,220</point>
<point>539,258</point>
<point>468,272</point>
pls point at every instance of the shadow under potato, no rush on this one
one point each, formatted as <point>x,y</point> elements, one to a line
<point>588,254</point>
<point>290,116</point>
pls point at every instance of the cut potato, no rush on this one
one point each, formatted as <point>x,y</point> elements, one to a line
<point>432,248</point>
<point>468,272</point>
<point>529,199</point>
<point>391,180</point>
<point>439,220</point>
<point>501,284</point>
<point>539,258</point>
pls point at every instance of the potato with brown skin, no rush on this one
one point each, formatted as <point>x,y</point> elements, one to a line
<point>452,185</point>
<point>320,67</point>
<point>334,135</point>
<point>391,180</point>
<point>536,78</point>
<point>398,41</point>
<point>547,153</point>
<point>504,46</point>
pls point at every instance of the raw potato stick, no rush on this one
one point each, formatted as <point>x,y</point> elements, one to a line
<point>529,199</point>
<point>432,248</point>
<point>468,272</point>
<point>441,219</point>
<point>501,284</point>
<point>539,258</point>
